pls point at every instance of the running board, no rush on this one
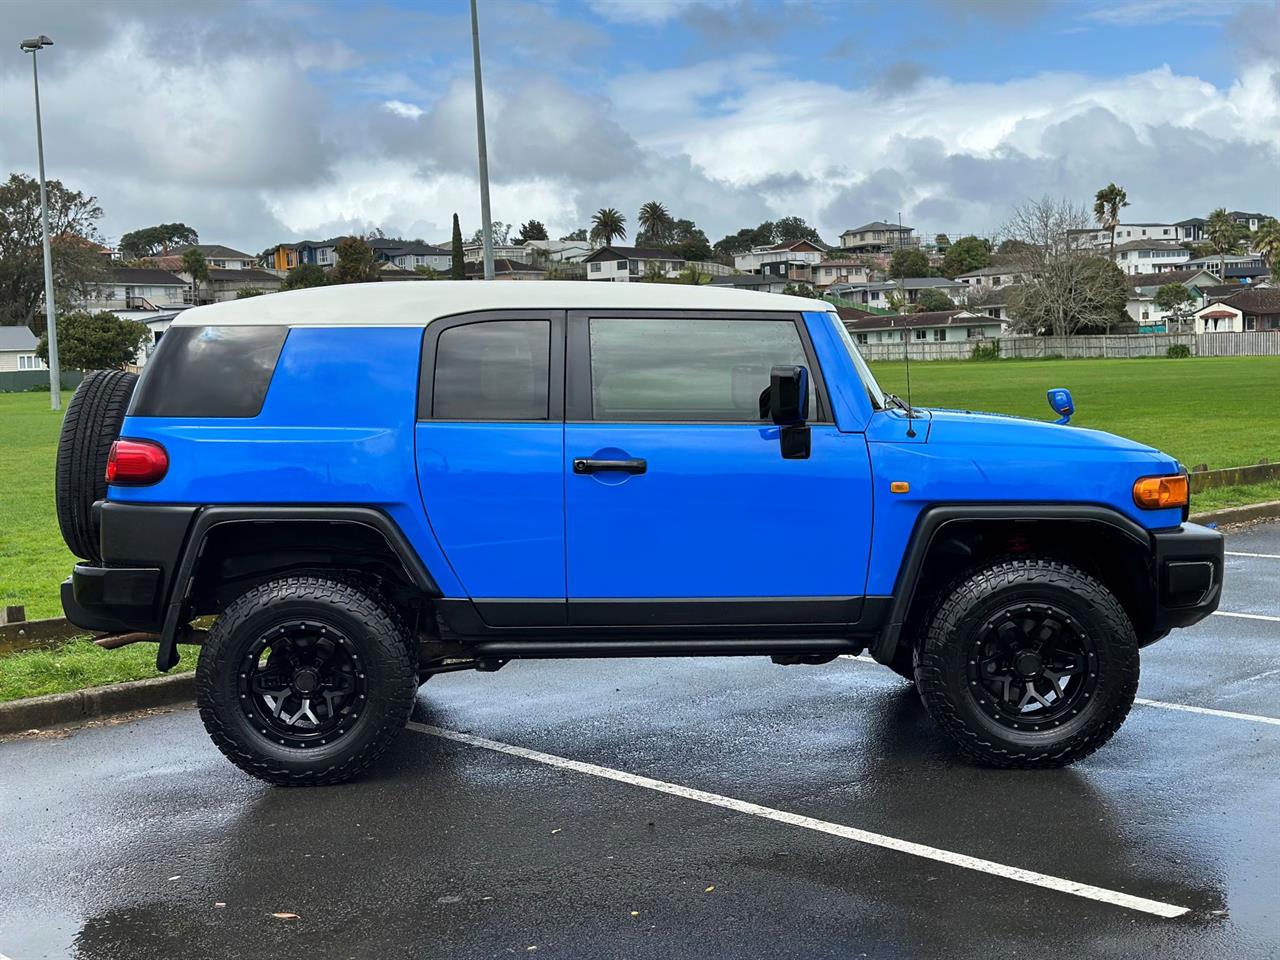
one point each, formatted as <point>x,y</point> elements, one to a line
<point>682,647</point>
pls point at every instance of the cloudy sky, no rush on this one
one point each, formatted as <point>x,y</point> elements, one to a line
<point>263,122</point>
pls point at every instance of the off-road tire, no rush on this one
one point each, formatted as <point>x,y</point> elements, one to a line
<point>91,425</point>
<point>948,691</point>
<point>378,636</point>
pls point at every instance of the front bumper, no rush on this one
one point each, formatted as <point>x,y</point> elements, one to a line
<point>1188,572</point>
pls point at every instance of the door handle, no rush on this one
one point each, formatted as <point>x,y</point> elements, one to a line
<point>589,465</point>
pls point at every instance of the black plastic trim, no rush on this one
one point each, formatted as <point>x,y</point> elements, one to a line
<point>664,647</point>
<point>1189,565</point>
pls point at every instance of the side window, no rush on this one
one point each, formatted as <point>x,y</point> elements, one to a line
<point>493,370</point>
<point>689,370</point>
<point>219,371</point>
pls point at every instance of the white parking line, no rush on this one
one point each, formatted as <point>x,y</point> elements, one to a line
<point>1100,894</point>
<point>1247,616</point>
<point>1262,556</point>
<point>1229,714</point>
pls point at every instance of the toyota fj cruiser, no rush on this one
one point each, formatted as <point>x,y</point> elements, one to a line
<point>369,485</point>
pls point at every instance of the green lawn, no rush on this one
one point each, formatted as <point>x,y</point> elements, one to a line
<point>77,665</point>
<point>1222,411</point>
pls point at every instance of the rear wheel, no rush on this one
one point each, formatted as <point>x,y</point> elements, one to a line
<point>1028,663</point>
<point>306,680</point>
<point>91,425</point>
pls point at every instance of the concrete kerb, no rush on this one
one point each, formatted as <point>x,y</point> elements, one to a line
<point>59,708</point>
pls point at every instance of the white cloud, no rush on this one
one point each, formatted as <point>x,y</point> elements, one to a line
<point>409,111</point>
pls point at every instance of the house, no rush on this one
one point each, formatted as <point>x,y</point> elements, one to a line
<point>18,350</point>
<point>505,268</point>
<point>1191,230</point>
<point>411,254</point>
<point>991,302</point>
<point>1140,303</point>
<point>474,252</point>
<point>126,291</point>
<point>1247,267</point>
<point>558,251</point>
<point>226,285</point>
<point>758,282</point>
<point>1249,220</point>
<point>623,264</point>
<point>778,255</point>
<point>219,257</point>
<point>995,275</point>
<point>878,237</point>
<point>937,326</point>
<point>824,274</point>
<point>1100,238</point>
<point>1148,256</point>
<point>1248,311</point>
<point>878,294</point>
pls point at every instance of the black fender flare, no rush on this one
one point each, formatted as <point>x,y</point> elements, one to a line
<point>934,518</point>
<point>213,516</point>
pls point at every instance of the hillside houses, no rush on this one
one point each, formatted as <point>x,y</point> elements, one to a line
<point>629,264</point>
<point>939,326</point>
<point>1251,310</point>
<point>878,237</point>
<point>1149,256</point>
<point>776,259</point>
<point>878,294</point>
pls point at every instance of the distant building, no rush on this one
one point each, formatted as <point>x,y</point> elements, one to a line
<point>1140,303</point>
<point>1249,220</point>
<point>474,252</point>
<point>993,276</point>
<point>938,326</point>
<point>1148,256</point>
<point>1249,267</point>
<point>878,294</point>
<point>18,350</point>
<point>878,237</point>
<point>778,256</point>
<point>1248,311</point>
<point>411,254</point>
<point>219,257</point>
<point>507,269</point>
<point>752,281</point>
<point>558,251</point>
<point>823,274</point>
<point>624,264</point>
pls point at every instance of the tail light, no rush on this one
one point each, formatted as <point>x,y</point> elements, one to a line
<point>136,463</point>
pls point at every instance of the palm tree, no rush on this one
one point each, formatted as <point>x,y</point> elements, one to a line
<point>607,224</point>
<point>1107,204</point>
<point>1223,235</point>
<point>1267,242</point>
<point>655,222</point>
<point>194,263</point>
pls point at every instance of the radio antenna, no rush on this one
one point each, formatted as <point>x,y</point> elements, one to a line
<point>906,356</point>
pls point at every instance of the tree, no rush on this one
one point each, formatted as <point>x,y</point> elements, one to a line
<point>689,241</point>
<point>95,341</point>
<point>1107,204</point>
<point>656,224</point>
<point>500,231</point>
<point>1224,235</point>
<point>532,230</point>
<point>156,241</point>
<point>909,262</point>
<point>787,229</point>
<point>1175,301</point>
<point>1267,242</point>
<point>429,272</point>
<point>305,275</point>
<point>932,299</point>
<point>942,241</point>
<point>194,263</point>
<point>457,266</point>
<point>1011,247</point>
<point>799,290</point>
<point>73,239</point>
<point>579,234</point>
<point>966,254</point>
<point>244,293</point>
<point>1068,289</point>
<point>356,262</point>
<point>745,239</point>
<point>693,274</point>
<point>607,224</point>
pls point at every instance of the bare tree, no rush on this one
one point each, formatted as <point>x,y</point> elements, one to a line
<point>1068,288</point>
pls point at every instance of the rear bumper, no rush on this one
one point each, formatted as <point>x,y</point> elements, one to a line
<point>1188,571</point>
<point>113,599</point>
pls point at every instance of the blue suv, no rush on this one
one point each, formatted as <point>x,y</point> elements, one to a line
<point>369,485</point>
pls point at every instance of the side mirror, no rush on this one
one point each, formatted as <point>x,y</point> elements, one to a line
<point>789,409</point>
<point>1061,403</point>
<point>788,395</point>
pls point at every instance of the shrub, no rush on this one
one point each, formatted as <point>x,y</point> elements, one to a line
<point>985,351</point>
<point>1179,351</point>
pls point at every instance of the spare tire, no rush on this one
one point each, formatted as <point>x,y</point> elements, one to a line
<point>91,425</point>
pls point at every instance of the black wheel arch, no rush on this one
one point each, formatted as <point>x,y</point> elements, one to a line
<point>950,538</point>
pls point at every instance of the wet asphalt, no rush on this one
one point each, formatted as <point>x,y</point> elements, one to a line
<point>121,840</point>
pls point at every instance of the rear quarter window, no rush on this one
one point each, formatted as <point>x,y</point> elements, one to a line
<point>209,372</point>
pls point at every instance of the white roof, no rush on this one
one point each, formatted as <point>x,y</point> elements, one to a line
<point>417,304</point>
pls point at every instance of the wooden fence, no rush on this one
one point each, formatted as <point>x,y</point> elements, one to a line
<point>1266,344</point>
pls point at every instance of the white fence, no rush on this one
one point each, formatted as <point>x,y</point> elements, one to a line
<point>1264,344</point>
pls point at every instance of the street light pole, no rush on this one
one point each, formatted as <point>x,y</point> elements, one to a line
<point>487,224</point>
<point>33,47</point>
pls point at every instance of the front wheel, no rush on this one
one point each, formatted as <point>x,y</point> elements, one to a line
<point>305,680</point>
<point>1028,663</point>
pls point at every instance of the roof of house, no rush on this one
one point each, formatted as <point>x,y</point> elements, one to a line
<point>1191,222</point>
<point>1253,300</point>
<point>929,318</point>
<point>818,246</point>
<point>1221,291</point>
<point>906,283</point>
<point>995,270</point>
<point>632,253</point>
<point>243,276</point>
<point>215,250</point>
<point>399,248</point>
<point>747,280</point>
<point>849,314</point>
<point>1148,245</point>
<point>19,338</point>
<point>146,276</point>
<point>1136,280</point>
<point>877,225</point>
<point>417,304</point>
<point>837,262</point>
<point>1234,214</point>
<point>503,265</point>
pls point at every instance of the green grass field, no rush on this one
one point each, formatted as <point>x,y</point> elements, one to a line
<point>78,665</point>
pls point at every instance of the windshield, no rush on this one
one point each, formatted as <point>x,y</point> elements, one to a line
<point>864,372</point>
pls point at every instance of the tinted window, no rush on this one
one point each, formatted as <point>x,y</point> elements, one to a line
<point>493,370</point>
<point>209,372</point>
<point>688,369</point>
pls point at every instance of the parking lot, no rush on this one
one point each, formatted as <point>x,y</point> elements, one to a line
<point>678,808</point>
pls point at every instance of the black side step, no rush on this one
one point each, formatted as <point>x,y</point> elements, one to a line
<point>678,647</point>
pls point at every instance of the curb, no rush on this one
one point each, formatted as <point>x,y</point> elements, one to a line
<point>1246,514</point>
<point>58,708</point>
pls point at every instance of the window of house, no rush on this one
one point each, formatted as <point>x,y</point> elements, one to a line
<point>862,337</point>
<point>939,335</point>
<point>595,266</point>
<point>688,370</point>
<point>493,370</point>
<point>922,334</point>
<point>29,361</point>
<point>1250,323</point>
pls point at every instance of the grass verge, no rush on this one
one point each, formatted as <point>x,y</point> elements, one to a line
<point>1220,497</point>
<point>77,665</point>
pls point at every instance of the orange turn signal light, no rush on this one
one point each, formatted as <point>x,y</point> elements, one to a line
<point>899,486</point>
<point>1156,493</point>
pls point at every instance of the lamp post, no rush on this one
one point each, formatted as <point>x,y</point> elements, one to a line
<point>487,224</point>
<point>32,47</point>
